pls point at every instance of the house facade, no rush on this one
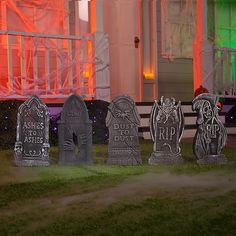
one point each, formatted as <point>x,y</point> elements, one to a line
<point>104,48</point>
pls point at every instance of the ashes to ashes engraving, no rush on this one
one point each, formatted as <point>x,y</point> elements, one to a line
<point>122,121</point>
<point>32,139</point>
<point>166,127</point>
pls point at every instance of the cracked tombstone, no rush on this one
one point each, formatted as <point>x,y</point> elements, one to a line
<point>166,128</point>
<point>122,121</point>
<point>210,137</point>
<point>75,133</point>
<point>32,138</point>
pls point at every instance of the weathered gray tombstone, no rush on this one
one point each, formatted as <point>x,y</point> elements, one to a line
<point>122,121</point>
<point>32,138</point>
<point>75,133</point>
<point>211,134</point>
<point>166,128</point>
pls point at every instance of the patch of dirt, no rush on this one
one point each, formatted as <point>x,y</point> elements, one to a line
<point>206,184</point>
<point>210,184</point>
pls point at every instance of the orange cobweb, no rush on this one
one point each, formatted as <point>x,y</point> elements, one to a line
<point>46,66</point>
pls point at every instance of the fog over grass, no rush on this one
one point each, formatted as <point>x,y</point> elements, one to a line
<point>99,199</point>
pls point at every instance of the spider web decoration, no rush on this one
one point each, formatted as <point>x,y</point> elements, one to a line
<point>222,34</point>
<point>36,16</point>
<point>69,71</point>
<point>220,77</point>
<point>178,24</point>
<point>42,64</point>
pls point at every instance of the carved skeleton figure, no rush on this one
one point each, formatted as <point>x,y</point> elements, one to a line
<point>166,128</point>
<point>167,110</point>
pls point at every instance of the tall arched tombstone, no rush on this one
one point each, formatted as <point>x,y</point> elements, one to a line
<point>122,121</point>
<point>75,133</point>
<point>32,138</point>
<point>211,135</point>
<point>166,128</point>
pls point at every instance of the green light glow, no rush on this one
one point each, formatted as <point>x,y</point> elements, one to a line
<point>225,27</point>
<point>225,23</point>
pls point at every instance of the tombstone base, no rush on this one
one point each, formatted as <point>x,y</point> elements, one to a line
<point>160,158</point>
<point>69,158</point>
<point>31,163</point>
<point>74,163</point>
<point>124,161</point>
<point>213,159</point>
<point>126,156</point>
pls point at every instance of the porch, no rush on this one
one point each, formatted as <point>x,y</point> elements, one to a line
<point>51,66</point>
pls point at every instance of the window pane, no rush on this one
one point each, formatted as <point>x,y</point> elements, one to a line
<point>178,24</point>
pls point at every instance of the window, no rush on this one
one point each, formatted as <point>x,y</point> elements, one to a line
<point>225,23</point>
<point>178,24</point>
<point>39,16</point>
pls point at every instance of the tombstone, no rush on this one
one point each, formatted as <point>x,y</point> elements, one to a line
<point>32,138</point>
<point>211,134</point>
<point>166,128</point>
<point>122,121</point>
<point>75,133</point>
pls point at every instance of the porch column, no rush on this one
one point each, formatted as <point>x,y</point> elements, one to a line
<point>101,51</point>
<point>149,50</point>
<point>123,24</point>
<point>203,57</point>
<point>207,53</point>
<point>129,27</point>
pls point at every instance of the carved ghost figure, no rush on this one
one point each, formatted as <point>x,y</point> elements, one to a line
<point>211,134</point>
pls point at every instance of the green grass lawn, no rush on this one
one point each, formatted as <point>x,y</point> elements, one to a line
<point>118,200</point>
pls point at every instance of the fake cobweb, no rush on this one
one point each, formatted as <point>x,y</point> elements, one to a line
<point>221,35</point>
<point>50,66</point>
<point>178,33</point>
<point>178,26</point>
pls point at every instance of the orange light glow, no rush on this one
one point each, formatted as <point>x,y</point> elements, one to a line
<point>93,16</point>
<point>35,60</point>
<point>90,68</point>
<point>153,7</point>
<point>197,48</point>
<point>148,75</point>
<point>139,50</point>
<point>86,74</point>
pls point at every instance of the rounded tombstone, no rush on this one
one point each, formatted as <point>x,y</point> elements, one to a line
<point>122,121</point>
<point>75,133</point>
<point>32,139</point>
